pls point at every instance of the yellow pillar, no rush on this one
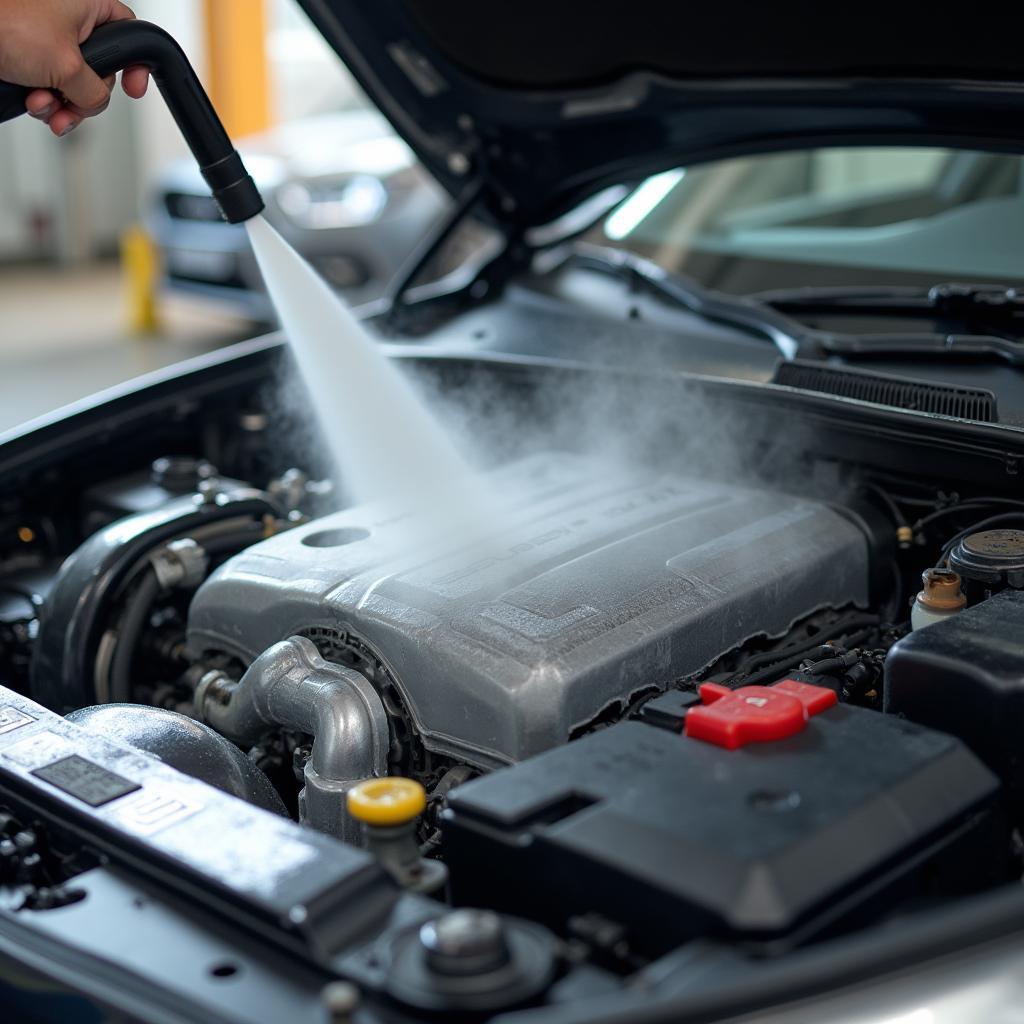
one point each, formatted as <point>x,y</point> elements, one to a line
<point>140,265</point>
<point>238,77</point>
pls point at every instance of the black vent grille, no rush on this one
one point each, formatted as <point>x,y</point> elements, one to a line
<point>945,399</point>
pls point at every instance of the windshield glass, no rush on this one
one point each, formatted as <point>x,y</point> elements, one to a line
<point>830,217</point>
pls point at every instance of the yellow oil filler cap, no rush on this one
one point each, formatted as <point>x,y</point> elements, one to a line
<point>391,800</point>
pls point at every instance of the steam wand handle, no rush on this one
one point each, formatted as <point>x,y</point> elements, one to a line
<point>120,44</point>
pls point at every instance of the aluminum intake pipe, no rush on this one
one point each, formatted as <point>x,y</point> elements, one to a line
<point>291,686</point>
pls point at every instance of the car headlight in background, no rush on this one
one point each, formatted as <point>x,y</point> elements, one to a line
<point>339,203</point>
<point>186,206</point>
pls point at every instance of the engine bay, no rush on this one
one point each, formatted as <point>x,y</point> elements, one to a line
<point>649,713</point>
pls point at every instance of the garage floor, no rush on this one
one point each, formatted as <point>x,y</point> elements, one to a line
<point>63,335</point>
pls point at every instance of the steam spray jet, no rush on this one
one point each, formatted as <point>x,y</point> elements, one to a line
<point>406,458</point>
<point>120,44</point>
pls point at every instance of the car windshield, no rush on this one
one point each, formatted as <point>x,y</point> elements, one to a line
<point>831,217</point>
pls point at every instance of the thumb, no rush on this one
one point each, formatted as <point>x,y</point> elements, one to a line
<point>82,87</point>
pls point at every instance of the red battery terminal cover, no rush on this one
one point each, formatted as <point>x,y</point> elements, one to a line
<point>754,714</point>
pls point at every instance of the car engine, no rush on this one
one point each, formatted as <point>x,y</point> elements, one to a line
<point>642,710</point>
<point>602,588</point>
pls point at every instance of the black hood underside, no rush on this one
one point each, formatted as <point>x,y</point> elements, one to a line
<point>542,104</point>
<point>566,45</point>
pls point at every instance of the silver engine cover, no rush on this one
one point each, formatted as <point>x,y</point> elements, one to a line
<point>604,585</point>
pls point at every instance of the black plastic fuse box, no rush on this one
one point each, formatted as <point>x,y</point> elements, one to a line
<point>965,675</point>
<point>674,837</point>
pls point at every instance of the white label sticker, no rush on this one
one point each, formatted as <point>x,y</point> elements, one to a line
<point>41,749</point>
<point>156,807</point>
<point>13,718</point>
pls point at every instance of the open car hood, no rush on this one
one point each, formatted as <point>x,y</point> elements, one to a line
<point>541,104</point>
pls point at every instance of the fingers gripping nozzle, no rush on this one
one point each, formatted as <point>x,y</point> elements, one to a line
<point>117,45</point>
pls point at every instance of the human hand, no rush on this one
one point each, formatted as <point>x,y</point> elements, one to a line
<point>39,46</point>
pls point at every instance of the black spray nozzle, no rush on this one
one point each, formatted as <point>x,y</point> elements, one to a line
<point>120,44</point>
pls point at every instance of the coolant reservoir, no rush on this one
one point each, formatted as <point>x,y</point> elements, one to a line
<point>989,561</point>
<point>940,597</point>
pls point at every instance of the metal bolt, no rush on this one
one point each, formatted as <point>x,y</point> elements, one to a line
<point>208,492</point>
<point>289,488</point>
<point>340,999</point>
<point>214,686</point>
<point>180,473</point>
<point>253,422</point>
<point>182,562</point>
<point>458,163</point>
<point>465,942</point>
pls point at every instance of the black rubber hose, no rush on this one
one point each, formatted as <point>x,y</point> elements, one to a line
<point>776,669</point>
<point>968,505</point>
<point>894,510</point>
<point>120,44</point>
<point>833,665</point>
<point>129,630</point>
<point>804,647</point>
<point>139,604</point>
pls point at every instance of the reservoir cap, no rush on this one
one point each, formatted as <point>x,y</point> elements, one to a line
<point>991,557</point>
<point>392,800</point>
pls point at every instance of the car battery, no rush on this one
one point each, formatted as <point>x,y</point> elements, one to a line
<point>762,820</point>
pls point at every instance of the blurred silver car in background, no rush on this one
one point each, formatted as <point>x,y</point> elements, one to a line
<point>341,187</point>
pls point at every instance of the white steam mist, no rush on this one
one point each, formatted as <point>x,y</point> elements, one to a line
<point>423,447</point>
<point>386,445</point>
